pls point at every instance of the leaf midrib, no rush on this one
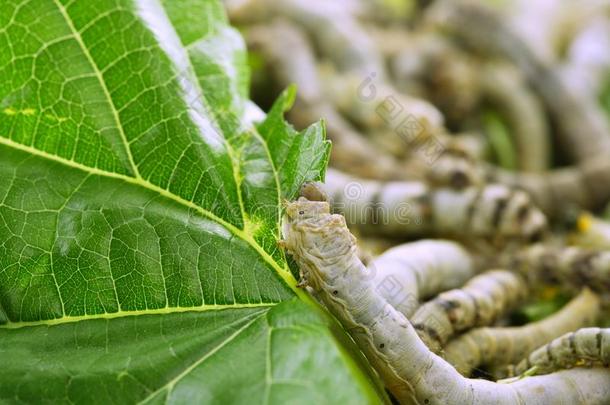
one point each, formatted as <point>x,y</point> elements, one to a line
<point>282,272</point>
<point>122,314</point>
<point>230,150</point>
<point>170,384</point>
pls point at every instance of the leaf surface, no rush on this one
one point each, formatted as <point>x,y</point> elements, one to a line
<point>140,202</point>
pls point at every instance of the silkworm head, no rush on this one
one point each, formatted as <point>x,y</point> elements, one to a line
<point>313,191</point>
<point>303,209</point>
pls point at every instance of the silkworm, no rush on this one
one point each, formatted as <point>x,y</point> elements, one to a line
<point>479,303</point>
<point>335,32</point>
<point>374,104</point>
<point>413,271</point>
<point>583,126</point>
<point>591,232</point>
<point>457,84</point>
<point>313,191</point>
<point>507,345</point>
<point>291,60</point>
<point>325,251</point>
<point>586,346</point>
<point>352,150</point>
<point>586,185</point>
<point>568,266</point>
<point>588,64</point>
<point>415,209</point>
<point>455,168</point>
<point>345,42</point>
<point>430,66</point>
<point>504,88</point>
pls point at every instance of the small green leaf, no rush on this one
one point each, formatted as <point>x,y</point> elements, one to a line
<point>297,155</point>
<point>500,140</point>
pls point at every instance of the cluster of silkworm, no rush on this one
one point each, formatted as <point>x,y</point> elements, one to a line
<point>395,344</point>
<point>470,157</point>
<point>430,313</point>
<point>456,83</point>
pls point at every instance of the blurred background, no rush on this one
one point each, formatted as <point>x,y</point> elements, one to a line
<point>450,92</point>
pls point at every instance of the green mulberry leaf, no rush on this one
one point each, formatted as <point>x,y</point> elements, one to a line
<point>140,204</point>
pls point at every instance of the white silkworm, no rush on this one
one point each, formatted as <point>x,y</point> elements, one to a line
<point>480,302</point>
<point>588,65</point>
<point>586,185</point>
<point>455,168</point>
<point>568,266</point>
<point>325,250</point>
<point>453,81</point>
<point>431,66</point>
<point>342,39</point>
<point>501,346</point>
<point>410,272</point>
<point>414,209</point>
<point>586,346</point>
<point>313,191</point>
<point>582,122</point>
<point>291,59</point>
<point>507,91</point>
<point>370,104</point>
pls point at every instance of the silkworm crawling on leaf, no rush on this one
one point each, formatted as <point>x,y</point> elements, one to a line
<point>502,346</point>
<point>585,347</point>
<point>480,302</point>
<point>567,266</point>
<point>415,209</point>
<point>408,273</point>
<point>325,251</point>
<point>591,232</point>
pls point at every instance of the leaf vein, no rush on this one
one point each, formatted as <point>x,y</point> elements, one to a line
<point>64,12</point>
<point>170,384</point>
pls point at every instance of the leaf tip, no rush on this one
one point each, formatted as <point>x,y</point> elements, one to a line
<point>288,96</point>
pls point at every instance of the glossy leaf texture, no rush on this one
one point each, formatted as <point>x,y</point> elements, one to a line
<point>140,204</point>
